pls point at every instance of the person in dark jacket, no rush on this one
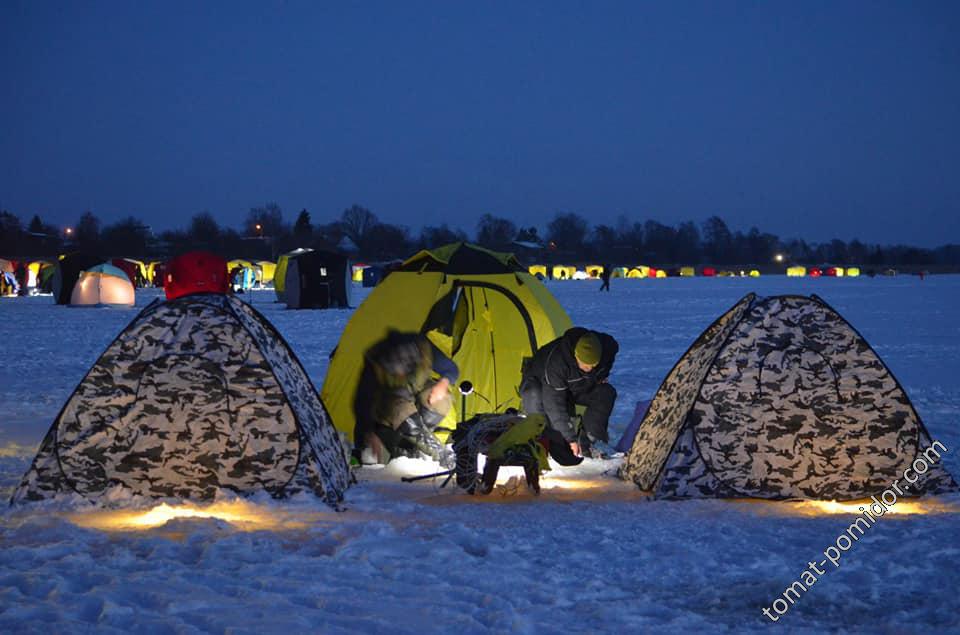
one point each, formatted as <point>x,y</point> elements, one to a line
<point>605,276</point>
<point>403,394</point>
<point>569,371</point>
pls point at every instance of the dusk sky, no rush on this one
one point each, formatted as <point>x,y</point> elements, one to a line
<point>807,119</point>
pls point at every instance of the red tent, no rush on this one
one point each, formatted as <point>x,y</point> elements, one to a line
<point>709,271</point>
<point>814,272</point>
<point>195,272</point>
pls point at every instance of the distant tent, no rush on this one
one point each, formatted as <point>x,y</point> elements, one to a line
<point>563,272</point>
<point>687,272</point>
<point>640,271</point>
<point>280,273</point>
<point>658,273</point>
<point>357,271</point>
<point>708,272</point>
<point>796,271</point>
<point>538,270</point>
<point>780,398</point>
<point>8,284</point>
<point>197,394</point>
<point>243,274</point>
<point>317,280</point>
<point>815,272</point>
<point>619,272</point>
<point>195,272</point>
<point>593,271</point>
<point>478,306</point>
<point>45,276</point>
<point>68,272</point>
<point>267,271</point>
<point>853,272</point>
<point>754,273</point>
<point>103,285</point>
<point>155,271</point>
<point>33,273</point>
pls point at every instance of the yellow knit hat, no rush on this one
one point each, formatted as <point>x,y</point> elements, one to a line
<point>588,349</point>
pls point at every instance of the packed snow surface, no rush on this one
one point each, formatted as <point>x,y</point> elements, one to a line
<point>590,555</point>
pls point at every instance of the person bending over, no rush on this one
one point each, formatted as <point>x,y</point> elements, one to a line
<point>569,371</point>
<point>403,394</point>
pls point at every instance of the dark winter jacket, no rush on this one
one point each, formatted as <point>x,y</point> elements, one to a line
<point>562,382</point>
<point>396,374</point>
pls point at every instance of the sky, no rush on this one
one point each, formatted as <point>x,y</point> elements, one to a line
<point>814,120</point>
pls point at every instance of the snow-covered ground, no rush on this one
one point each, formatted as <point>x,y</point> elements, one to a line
<point>590,555</point>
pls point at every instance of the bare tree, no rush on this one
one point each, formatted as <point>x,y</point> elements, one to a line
<point>204,230</point>
<point>269,218</point>
<point>436,236</point>
<point>356,223</point>
<point>567,232</point>
<point>495,232</point>
<point>385,241</point>
<point>303,229</point>
<point>88,231</point>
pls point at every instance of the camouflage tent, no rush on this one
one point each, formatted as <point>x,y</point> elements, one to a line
<point>196,394</point>
<point>780,398</point>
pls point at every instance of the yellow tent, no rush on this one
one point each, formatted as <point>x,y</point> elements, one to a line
<point>796,272</point>
<point>619,272</point>
<point>853,272</point>
<point>151,269</point>
<point>356,272</point>
<point>661,273</point>
<point>479,307</point>
<point>754,273</point>
<point>538,269</point>
<point>594,271</point>
<point>640,271</point>
<point>687,272</point>
<point>267,271</point>
<point>563,272</point>
<point>33,272</point>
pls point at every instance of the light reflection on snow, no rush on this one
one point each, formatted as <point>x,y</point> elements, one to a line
<point>913,507</point>
<point>901,507</point>
<point>242,515</point>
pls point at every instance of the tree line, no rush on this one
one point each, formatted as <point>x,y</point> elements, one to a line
<point>569,236</point>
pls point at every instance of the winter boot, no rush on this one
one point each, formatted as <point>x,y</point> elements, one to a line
<point>490,471</point>
<point>531,469</point>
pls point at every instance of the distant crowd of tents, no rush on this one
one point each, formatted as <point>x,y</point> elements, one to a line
<point>588,272</point>
<point>303,278</point>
